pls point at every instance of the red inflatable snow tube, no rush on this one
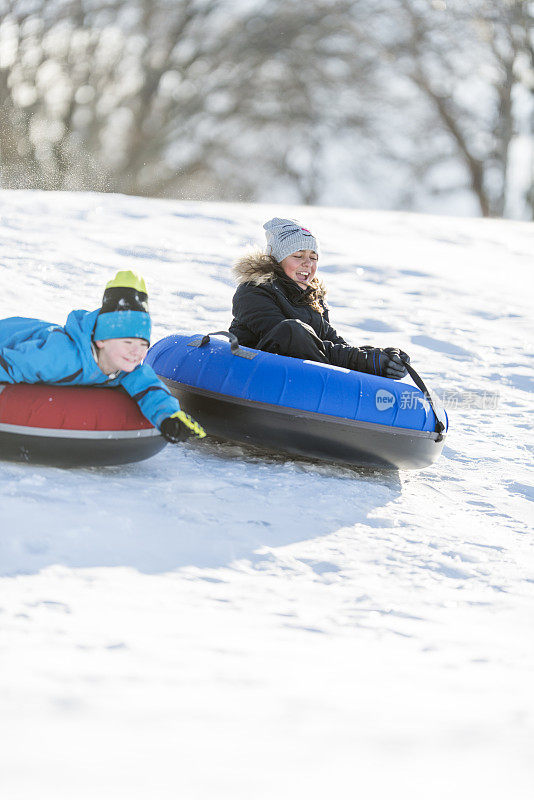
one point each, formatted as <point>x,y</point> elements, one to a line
<point>73,426</point>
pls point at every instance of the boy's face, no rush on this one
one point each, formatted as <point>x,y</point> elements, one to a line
<point>120,354</point>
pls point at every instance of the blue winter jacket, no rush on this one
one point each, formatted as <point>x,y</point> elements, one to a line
<point>33,351</point>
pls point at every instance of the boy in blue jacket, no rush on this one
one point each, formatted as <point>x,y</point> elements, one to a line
<point>97,348</point>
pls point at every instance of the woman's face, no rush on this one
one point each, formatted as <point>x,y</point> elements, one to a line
<point>300,267</point>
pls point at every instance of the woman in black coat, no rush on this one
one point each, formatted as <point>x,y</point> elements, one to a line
<point>279,306</point>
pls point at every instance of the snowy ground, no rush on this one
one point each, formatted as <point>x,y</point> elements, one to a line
<point>220,623</point>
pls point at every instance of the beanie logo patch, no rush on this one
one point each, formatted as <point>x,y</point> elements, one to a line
<point>291,230</point>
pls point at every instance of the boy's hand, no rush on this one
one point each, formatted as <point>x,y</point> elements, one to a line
<point>179,427</point>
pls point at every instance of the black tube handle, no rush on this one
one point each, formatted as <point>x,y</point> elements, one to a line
<point>234,344</point>
<point>416,378</point>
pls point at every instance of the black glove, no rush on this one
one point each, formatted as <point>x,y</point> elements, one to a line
<point>387,363</point>
<point>179,427</point>
<point>395,368</point>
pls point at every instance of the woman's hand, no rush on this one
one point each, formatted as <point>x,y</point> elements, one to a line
<point>387,363</point>
<point>394,367</point>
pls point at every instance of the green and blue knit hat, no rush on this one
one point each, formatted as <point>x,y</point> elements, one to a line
<point>124,313</point>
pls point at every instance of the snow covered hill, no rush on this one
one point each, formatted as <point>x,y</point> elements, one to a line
<point>221,623</point>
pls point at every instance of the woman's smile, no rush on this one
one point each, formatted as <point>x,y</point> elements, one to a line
<point>301,267</point>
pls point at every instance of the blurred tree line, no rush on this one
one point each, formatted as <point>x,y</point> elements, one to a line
<point>385,103</point>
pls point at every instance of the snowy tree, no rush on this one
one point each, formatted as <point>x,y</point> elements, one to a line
<point>188,98</point>
<point>365,102</point>
<point>90,91</point>
<point>462,70</point>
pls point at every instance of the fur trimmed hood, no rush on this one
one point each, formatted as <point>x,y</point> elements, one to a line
<point>256,268</point>
<point>259,268</point>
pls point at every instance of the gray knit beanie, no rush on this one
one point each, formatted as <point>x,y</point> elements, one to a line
<point>285,236</point>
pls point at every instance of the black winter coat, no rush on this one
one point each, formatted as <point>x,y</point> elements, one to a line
<point>258,308</point>
<point>266,297</point>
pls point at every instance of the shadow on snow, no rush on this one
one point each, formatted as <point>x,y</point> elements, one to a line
<point>202,505</point>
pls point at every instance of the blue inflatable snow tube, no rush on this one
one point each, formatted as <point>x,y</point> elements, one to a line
<point>292,383</point>
<point>208,367</point>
